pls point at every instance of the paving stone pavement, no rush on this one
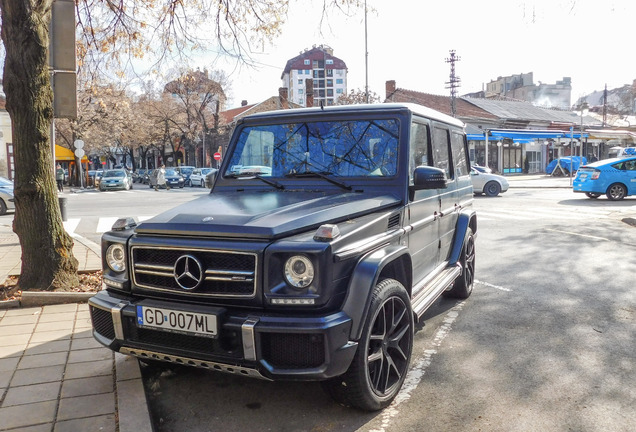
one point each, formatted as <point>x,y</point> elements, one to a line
<point>54,376</point>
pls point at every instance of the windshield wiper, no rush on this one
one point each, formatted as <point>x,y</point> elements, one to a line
<point>323,175</point>
<point>260,177</point>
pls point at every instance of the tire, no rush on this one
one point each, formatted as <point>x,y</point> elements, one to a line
<point>463,285</point>
<point>3,208</point>
<point>492,189</point>
<point>616,192</point>
<point>381,362</point>
<point>592,195</point>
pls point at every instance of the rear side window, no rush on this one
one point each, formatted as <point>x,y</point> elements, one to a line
<point>441,158</point>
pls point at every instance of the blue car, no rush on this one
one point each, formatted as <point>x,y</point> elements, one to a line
<point>616,178</point>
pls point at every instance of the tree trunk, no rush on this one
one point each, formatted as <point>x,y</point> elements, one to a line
<point>47,250</point>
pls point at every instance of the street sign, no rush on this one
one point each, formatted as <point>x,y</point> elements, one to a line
<point>79,144</point>
<point>217,156</point>
<point>79,153</point>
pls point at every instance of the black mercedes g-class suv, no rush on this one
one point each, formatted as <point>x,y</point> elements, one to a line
<point>327,233</point>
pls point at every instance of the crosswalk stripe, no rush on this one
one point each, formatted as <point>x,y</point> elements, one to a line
<point>70,225</point>
<point>105,223</point>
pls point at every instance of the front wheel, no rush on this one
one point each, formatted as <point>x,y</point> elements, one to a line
<point>381,362</point>
<point>492,189</point>
<point>616,192</point>
<point>463,285</point>
<point>592,195</point>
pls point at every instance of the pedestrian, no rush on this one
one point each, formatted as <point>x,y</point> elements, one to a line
<point>59,177</point>
<point>161,178</point>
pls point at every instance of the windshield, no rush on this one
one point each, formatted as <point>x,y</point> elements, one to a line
<point>185,170</point>
<point>348,148</point>
<point>171,172</point>
<point>5,182</point>
<point>115,174</point>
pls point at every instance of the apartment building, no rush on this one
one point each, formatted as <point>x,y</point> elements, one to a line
<point>315,73</point>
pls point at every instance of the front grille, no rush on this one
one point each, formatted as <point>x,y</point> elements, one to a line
<point>293,351</point>
<point>103,322</point>
<point>225,273</point>
<point>228,345</point>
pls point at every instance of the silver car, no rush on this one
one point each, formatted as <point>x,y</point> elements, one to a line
<point>7,201</point>
<point>116,179</point>
<point>487,183</point>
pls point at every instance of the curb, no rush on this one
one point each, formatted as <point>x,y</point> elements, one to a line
<point>38,298</point>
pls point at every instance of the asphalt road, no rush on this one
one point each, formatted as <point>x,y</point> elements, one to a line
<point>546,342</point>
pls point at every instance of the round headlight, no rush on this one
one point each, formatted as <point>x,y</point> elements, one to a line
<point>299,271</point>
<point>116,257</point>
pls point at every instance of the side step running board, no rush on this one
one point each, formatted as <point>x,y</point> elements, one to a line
<point>434,289</point>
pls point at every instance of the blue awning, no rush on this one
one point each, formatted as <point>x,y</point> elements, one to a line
<point>524,136</point>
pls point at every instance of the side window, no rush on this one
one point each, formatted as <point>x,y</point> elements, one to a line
<point>418,154</point>
<point>459,154</point>
<point>441,158</point>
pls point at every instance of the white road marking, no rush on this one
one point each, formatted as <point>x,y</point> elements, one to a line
<point>71,225</point>
<point>579,234</point>
<point>105,224</point>
<point>418,368</point>
<point>489,285</point>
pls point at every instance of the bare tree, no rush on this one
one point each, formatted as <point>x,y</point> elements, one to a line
<point>358,96</point>
<point>111,34</point>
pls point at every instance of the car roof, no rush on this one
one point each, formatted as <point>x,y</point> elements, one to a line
<point>362,108</point>
<point>611,161</point>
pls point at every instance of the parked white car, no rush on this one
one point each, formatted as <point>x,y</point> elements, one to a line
<point>487,183</point>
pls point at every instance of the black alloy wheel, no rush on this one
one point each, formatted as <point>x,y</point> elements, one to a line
<point>381,362</point>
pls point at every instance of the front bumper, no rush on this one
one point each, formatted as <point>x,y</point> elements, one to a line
<point>252,344</point>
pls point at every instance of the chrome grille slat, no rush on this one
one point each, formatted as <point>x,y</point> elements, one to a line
<point>226,274</point>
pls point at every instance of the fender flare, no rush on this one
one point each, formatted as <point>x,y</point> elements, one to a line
<point>466,219</point>
<point>363,280</point>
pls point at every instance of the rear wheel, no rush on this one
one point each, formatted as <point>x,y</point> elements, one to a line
<point>463,285</point>
<point>3,207</point>
<point>492,188</point>
<point>381,362</point>
<point>592,195</point>
<point>616,192</point>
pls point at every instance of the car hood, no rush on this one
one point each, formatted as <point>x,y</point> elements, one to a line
<point>263,215</point>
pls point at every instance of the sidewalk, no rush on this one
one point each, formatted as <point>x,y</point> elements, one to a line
<point>54,376</point>
<point>538,181</point>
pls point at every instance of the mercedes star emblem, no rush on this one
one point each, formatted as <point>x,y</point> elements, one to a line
<point>188,272</point>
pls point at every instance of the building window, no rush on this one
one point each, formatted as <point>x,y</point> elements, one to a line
<point>329,83</point>
<point>300,82</point>
<point>307,62</point>
<point>329,72</point>
<point>300,91</point>
<point>329,92</point>
<point>329,61</point>
<point>339,91</point>
<point>339,81</point>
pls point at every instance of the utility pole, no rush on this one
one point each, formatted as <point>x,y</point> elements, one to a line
<point>605,106</point>
<point>453,84</point>
<point>366,57</point>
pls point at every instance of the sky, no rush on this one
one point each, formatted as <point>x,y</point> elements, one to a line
<point>591,41</point>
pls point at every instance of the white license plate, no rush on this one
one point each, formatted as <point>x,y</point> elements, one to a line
<point>177,321</point>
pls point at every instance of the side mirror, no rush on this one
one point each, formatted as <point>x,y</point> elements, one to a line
<point>427,177</point>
